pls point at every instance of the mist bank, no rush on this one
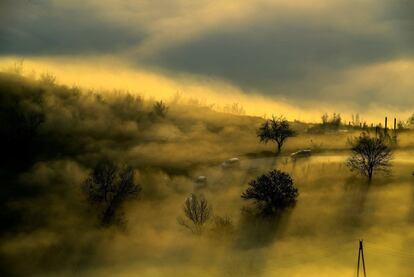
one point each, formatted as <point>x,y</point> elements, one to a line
<point>356,90</point>
<point>48,229</point>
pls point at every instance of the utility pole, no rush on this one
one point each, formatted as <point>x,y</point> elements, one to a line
<point>394,134</point>
<point>386,126</point>
<point>361,257</point>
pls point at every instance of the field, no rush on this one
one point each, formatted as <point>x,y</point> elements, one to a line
<point>48,229</point>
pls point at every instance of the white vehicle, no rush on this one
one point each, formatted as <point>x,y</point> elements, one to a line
<point>200,181</point>
<point>304,153</point>
<point>231,163</point>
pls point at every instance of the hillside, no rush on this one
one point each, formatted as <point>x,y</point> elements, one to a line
<point>53,136</point>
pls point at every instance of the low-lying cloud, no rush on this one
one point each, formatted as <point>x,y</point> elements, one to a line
<point>321,53</point>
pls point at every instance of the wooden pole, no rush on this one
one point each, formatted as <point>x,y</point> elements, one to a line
<point>361,258</point>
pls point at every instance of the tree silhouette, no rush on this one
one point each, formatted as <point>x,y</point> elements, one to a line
<point>333,122</point>
<point>325,118</point>
<point>197,212</point>
<point>369,154</point>
<point>223,227</point>
<point>107,187</point>
<point>410,121</point>
<point>272,192</point>
<point>277,130</point>
<point>160,109</point>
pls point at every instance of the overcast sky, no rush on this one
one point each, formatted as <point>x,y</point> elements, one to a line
<point>349,52</point>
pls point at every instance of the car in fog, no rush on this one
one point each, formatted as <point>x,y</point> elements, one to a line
<point>200,181</point>
<point>231,163</point>
<point>303,153</point>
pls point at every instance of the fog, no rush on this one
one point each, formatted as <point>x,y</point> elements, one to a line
<point>106,74</point>
<point>49,229</point>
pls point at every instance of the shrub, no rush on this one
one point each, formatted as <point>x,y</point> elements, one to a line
<point>272,192</point>
<point>108,187</point>
<point>197,212</point>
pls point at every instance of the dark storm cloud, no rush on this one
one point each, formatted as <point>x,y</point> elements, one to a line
<point>272,47</point>
<point>272,54</point>
<point>402,15</point>
<point>44,28</point>
<point>260,57</point>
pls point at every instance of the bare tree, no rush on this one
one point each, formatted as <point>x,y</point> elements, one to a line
<point>334,121</point>
<point>272,192</point>
<point>107,187</point>
<point>160,109</point>
<point>401,125</point>
<point>223,227</point>
<point>234,108</point>
<point>410,121</point>
<point>48,79</point>
<point>197,212</point>
<point>325,118</point>
<point>277,130</point>
<point>369,154</point>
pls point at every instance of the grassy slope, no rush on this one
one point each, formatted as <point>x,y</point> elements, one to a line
<point>52,231</point>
